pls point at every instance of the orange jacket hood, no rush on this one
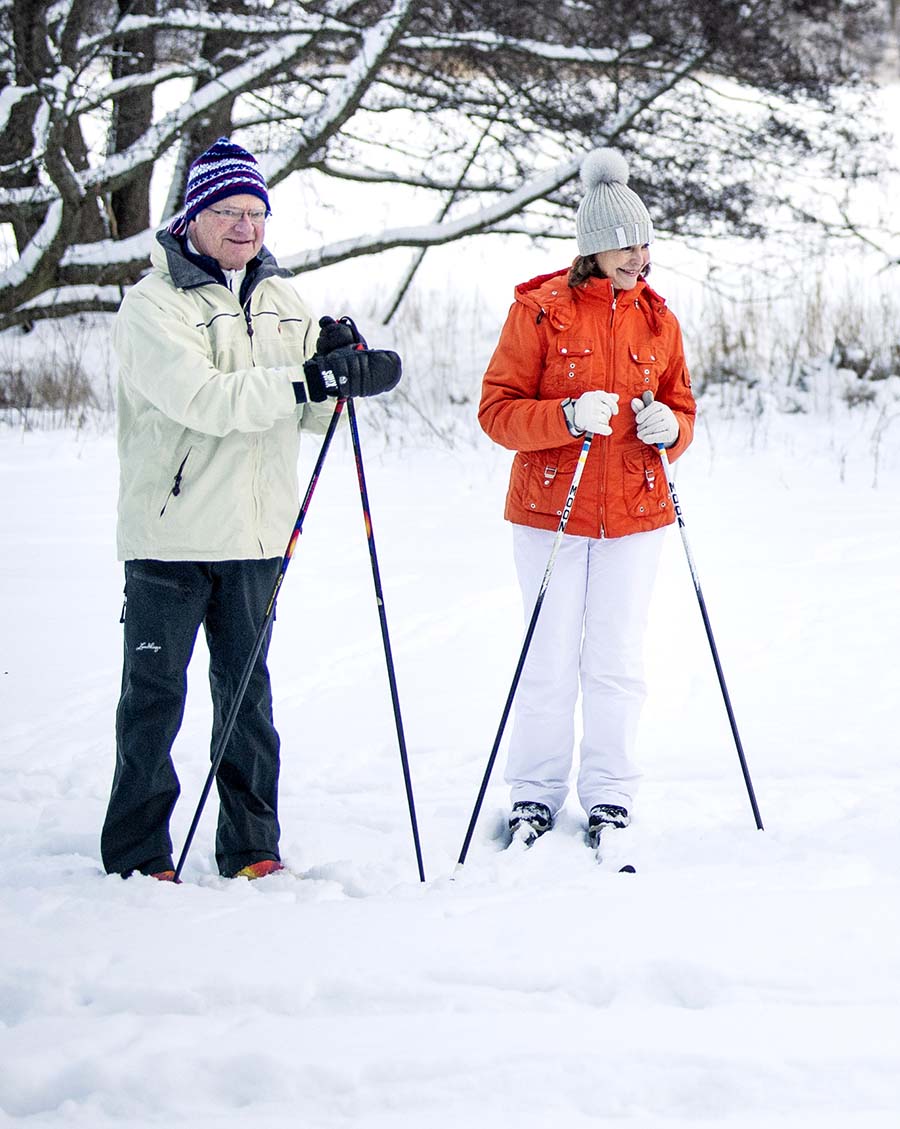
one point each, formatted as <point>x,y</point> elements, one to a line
<point>552,294</point>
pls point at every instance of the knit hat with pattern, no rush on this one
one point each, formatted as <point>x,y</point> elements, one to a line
<point>225,169</point>
<point>611,216</point>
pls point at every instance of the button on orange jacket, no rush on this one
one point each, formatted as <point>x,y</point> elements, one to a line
<point>559,342</point>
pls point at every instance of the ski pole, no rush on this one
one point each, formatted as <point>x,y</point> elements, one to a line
<point>379,599</point>
<point>679,517</point>
<point>567,509</point>
<point>227,728</point>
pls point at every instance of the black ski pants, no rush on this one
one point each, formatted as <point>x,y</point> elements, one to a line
<point>165,604</point>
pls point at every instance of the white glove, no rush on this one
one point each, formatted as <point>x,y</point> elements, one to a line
<point>656,422</point>
<point>593,410</point>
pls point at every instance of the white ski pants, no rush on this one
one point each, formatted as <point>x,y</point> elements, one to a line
<point>590,631</point>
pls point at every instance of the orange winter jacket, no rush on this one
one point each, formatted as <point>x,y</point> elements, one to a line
<point>558,342</point>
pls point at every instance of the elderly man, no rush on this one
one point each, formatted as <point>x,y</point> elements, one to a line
<point>217,376</point>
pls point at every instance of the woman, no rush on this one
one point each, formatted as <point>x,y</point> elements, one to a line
<point>578,353</point>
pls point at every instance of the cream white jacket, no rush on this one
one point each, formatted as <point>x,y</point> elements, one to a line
<point>208,426</point>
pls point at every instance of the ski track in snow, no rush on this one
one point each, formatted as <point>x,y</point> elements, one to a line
<point>739,979</point>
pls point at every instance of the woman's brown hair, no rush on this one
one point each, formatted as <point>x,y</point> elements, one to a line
<point>585,267</point>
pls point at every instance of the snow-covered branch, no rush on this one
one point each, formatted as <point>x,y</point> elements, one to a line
<point>488,217</point>
<point>109,172</point>
<point>345,97</point>
<point>33,257</point>
<point>386,100</point>
<point>296,22</point>
<point>9,97</point>
<point>487,44</point>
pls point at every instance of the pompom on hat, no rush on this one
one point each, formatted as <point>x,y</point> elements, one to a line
<point>611,216</point>
<point>225,169</point>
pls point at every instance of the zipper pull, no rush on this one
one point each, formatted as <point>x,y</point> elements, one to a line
<point>176,485</point>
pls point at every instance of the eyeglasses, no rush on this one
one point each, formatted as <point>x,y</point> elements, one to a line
<point>233,215</point>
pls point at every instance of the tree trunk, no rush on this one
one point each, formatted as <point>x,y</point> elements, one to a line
<point>132,115</point>
<point>17,142</point>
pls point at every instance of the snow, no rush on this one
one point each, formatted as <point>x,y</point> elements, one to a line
<point>740,978</point>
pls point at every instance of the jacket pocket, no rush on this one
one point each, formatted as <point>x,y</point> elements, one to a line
<point>568,367</point>
<point>645,366</point>
<point>546,478</point>
<point>644,484</point>
<point>279,340</point>
<point>177,482</point>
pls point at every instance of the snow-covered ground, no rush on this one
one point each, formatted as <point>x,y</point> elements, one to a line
<point>741,978</point>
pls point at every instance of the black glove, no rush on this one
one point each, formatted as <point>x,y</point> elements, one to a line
<point>352,371</point>
<point>344,366</point>
<point>337,334</point>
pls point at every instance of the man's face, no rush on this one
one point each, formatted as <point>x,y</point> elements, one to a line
<point>231,241</point>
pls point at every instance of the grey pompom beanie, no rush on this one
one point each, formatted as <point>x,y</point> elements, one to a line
<point>610,216</point>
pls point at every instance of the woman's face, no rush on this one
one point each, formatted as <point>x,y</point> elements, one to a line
<point>624,267</point>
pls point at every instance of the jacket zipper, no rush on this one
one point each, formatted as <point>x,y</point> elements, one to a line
<point>604,460</point>
<point>176,484</point>
<point>256,494</point>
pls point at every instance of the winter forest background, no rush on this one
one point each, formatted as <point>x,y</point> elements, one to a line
<point>423,160</point>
